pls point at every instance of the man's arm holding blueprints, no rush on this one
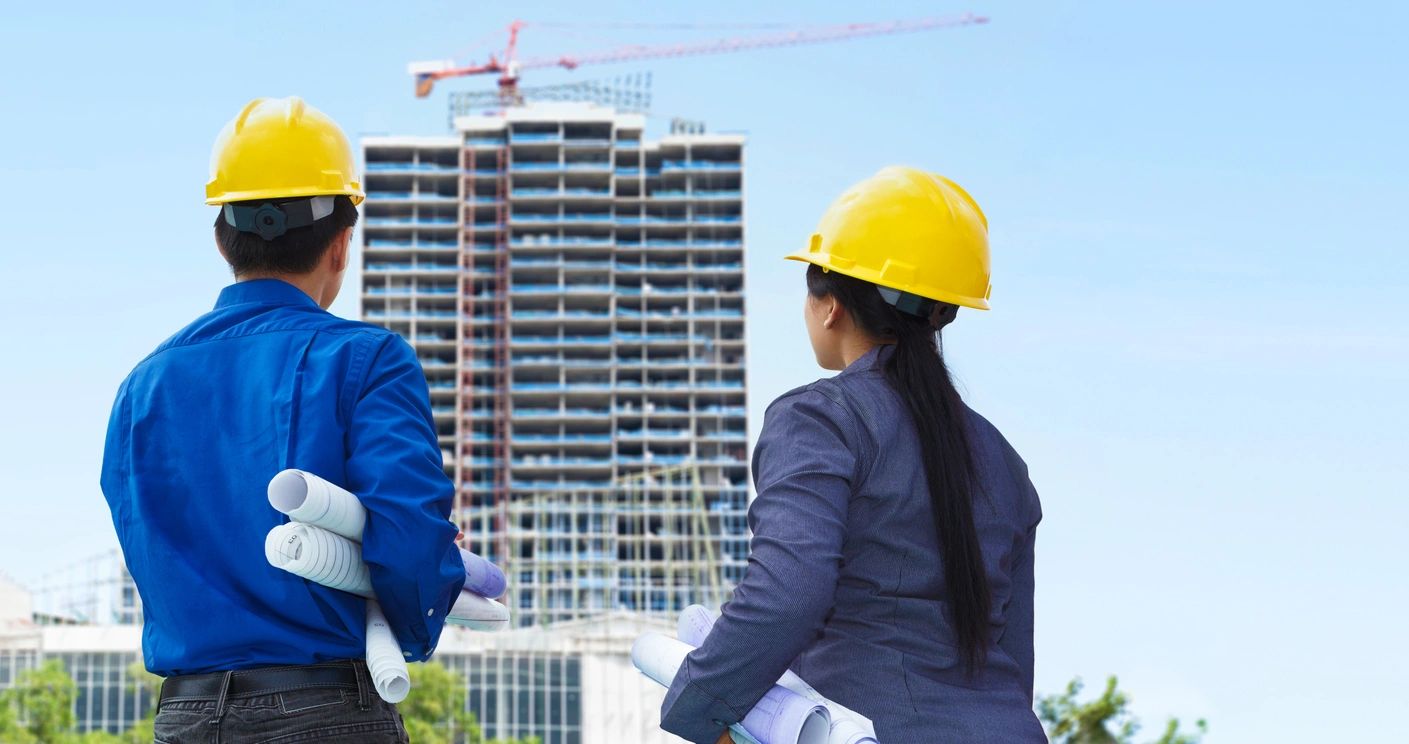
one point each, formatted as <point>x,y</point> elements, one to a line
<point>394,467</point>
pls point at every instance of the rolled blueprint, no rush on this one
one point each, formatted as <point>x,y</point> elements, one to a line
<point>848,726</point>
<point>323,545</point>
<point>319,556</point>
<point>309,499</point>
<point>336,562</point>
<point>482,577</point>
<point>385,662</point>
<point>478,613</point>
<point>781,717</point>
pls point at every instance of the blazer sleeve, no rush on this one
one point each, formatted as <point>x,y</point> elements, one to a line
<point>804,471</point>
<point>1016,640</point>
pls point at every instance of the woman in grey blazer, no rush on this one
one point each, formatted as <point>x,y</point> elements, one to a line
<point>892,557</point>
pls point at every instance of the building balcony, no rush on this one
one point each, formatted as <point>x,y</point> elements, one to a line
<point>556,463</point>
<point>544,241</point>
<point>433,222</point>
<point>412,245</point>
<point>530,137</point>
<point>711,165</point>
<point>560,438</point>
<point>412,267</point>
<point>419,314</point>
<point>560,289</point>
<point>383,167</point>
<point>424,196</point>
<point>553,193</point>
<point>578,340</point>
<point>409,291</point>
<point>654,266</point>
<point>563,413</point>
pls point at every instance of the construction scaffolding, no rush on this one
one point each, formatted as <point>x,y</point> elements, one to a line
<point>645,544</point>
<point>97,590</point>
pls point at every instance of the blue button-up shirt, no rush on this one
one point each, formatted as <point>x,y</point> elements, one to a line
<point>267,381</point>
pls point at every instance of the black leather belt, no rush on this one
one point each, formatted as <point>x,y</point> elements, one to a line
<point>264,681</point>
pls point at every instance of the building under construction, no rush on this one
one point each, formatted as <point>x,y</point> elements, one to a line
<point>575,295</point>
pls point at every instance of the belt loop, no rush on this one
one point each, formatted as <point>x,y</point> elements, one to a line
<point>220,704</point>
<point>359,670</point>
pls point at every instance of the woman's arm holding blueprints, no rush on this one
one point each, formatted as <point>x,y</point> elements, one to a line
<point>394,468</point>
<point>804,474</point>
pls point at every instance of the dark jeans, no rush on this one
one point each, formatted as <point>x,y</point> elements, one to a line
<point>342,714</point>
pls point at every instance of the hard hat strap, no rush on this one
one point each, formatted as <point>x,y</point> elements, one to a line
<point>939,314</point>
<point>905,302</point>
<point>272,219</point>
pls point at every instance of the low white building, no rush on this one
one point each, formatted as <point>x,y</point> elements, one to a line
<point>572,683</point>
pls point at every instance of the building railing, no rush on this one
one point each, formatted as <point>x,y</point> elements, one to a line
<point>411,267</point>
<point>411,221</point>
<point>424,245</point>
<point>700,165</point>
<point>403,166</point>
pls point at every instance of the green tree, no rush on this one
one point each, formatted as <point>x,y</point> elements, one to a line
<point>1105,720</point>
<point>10,729</point>
<point>143,731</point>
<point>42,698</point>
<point>435,712</point>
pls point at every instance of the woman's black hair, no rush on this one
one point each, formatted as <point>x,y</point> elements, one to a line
<point>917,371</point>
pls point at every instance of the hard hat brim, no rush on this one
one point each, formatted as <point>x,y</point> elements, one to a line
<point>868,275</point>
<point>255,194</point>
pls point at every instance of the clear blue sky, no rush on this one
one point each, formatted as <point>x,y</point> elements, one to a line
<point>1199,330</point>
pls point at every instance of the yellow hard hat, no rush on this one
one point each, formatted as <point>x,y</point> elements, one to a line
<point>279,148</point>
<point>907,230</point>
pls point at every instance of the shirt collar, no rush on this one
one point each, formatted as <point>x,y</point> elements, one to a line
<point>262,292</point>
<point>878,353</point>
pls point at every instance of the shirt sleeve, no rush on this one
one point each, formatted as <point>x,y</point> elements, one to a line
<point>117,454</point>
<point>804,470</point>
<point>394,466</point>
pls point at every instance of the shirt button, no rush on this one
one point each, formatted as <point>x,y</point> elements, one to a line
<point>430,612</point>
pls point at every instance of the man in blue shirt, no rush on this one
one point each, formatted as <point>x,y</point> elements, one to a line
<point>269,380</point>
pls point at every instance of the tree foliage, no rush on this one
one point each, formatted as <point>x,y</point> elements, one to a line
<point>435,713</point>
<point>40,705</point>
<point>1105,720</point>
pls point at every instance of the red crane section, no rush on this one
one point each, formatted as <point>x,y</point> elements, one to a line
<point>508,68</point>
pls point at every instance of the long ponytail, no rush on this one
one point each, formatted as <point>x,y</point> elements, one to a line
<point>917,371</point>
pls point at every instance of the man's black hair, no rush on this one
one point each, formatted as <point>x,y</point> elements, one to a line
<point>295,252</point>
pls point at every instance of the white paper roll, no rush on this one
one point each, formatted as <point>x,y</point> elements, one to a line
<point>319,556</point>
<point>848,726</point>
<point>311,500</point>
<point>478,613</point>
<point>781,717</point>
<point>694,625</point>
<point>784,717</point>
<point>385,662</point>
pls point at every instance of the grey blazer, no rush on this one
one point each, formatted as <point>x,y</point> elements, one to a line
<point>845,585</point>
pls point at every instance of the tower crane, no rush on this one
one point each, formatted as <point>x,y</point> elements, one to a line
<point>509,67</point>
